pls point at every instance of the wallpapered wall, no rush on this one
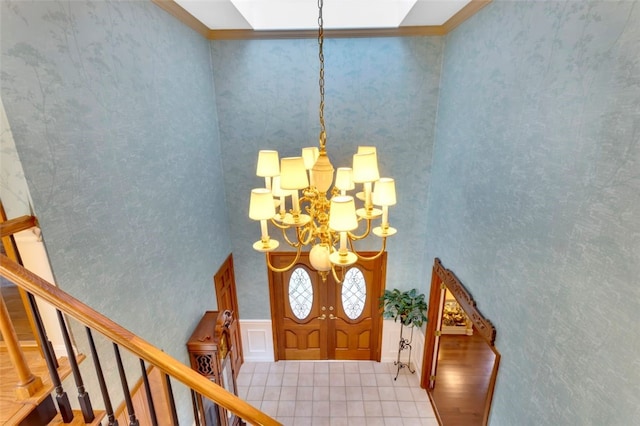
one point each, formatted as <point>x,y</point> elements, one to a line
<point>113,114</point>
<point>533,193</point>
<point>535,202</point>
<point>379,92</point>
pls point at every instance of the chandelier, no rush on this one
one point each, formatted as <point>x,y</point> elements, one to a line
<point>320,216</point>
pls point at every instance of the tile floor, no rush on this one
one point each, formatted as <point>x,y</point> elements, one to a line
<point>335,393</point>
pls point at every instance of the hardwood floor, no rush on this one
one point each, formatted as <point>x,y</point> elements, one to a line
<point>462,378</point>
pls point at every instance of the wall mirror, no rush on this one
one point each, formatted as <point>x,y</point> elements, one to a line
<point>460,362</point>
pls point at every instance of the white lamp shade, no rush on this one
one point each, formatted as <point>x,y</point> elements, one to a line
<point>342,214</point>
<point>293,174</point>
<point>310,155</point>
<point>384,192</point>
<point>344,179</point>
<point>277,190</point>
<point>365,168</point>
<point>268,164</point>
<point>366,149</point>
<point>261,206</point>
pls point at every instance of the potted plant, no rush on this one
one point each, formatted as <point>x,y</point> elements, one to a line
<point>410,308</point>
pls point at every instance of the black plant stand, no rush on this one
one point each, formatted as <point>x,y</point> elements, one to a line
<point>404,344</point>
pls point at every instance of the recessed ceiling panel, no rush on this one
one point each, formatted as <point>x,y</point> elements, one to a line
<point>216,14</point>
<point>432,12</point>
<point>303,14</point>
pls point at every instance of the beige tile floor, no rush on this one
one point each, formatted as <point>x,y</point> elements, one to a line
<point>335,393</point>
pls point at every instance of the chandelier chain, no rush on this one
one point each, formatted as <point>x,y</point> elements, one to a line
<point>323,134</point>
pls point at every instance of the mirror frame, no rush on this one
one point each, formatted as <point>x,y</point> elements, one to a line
<point>442,278</point>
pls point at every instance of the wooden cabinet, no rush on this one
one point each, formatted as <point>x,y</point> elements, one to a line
<point>211,351</point>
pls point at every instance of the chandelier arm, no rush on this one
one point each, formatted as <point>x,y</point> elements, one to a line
<point>298,244</point>
<point>355,237</point>
<point>277,225</point>
<point>284,228</point>
<point>375,256</point>
<point>307,230</point>
<point>335,274</point>
<point>286,268</point>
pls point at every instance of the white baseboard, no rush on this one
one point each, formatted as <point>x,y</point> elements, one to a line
<point>257,342</point>
<point>390,340</point>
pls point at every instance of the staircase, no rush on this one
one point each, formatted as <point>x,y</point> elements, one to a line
<point>33,379</point>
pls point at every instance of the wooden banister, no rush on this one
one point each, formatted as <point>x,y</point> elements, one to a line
<point>18,224</point>
<point>126,339</point>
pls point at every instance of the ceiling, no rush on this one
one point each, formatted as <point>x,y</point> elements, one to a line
<point>262,15</point>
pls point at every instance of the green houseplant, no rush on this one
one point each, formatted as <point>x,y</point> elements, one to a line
<point>408,306</point>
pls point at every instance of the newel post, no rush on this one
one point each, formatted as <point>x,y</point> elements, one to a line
<point>28,384</point>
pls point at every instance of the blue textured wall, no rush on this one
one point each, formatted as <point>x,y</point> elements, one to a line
<point>379,92</point>
<point>534,192</point>
<point>113,113</point>
<point>535,202</point>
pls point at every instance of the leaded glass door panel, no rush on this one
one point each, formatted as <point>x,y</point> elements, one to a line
<point>355,333</point>
<point>300,330</point>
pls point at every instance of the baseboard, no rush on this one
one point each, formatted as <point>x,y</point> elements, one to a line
<point>257,342</point>
<point>390,340</point>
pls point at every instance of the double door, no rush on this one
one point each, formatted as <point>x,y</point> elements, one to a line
<point>315,319</point>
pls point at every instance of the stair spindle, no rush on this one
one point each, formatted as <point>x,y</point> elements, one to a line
<point>64,406</point>
<point>103,386</point>
<point>133,421</point>
<point>147,388</point>
<point>83,396</point>
<point>45,343</point>
<point>172,401</point>
<point>196,408</point>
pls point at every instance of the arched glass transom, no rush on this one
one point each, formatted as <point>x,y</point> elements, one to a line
<point>300,293</point>
<point>354,293</point>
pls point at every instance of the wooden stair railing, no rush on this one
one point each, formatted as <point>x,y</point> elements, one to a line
<point>94,320</point>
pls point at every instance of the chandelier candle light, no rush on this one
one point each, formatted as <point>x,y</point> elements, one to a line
<point>316,220</point>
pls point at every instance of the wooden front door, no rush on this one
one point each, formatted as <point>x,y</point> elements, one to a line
<point>315,319</point>
<point>225,284</point>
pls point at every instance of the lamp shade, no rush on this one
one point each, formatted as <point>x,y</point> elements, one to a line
<point>342,214</point>
<point>362,149</point>
<point>293,174</point>
<point>310,155</point>
<point>384,192</point>
<point>344,179</point>
<point>277,190</point>
<point>261,206</point>
<point>268,165</point>
<point>365,168</point>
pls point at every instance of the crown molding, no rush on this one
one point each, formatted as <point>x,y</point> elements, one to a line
<point>173,8</point>
<point>463,14</point>
<point>177,11</point>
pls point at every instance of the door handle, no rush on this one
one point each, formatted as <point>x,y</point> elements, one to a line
<point>332,317</point>
<point>322,317</point>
